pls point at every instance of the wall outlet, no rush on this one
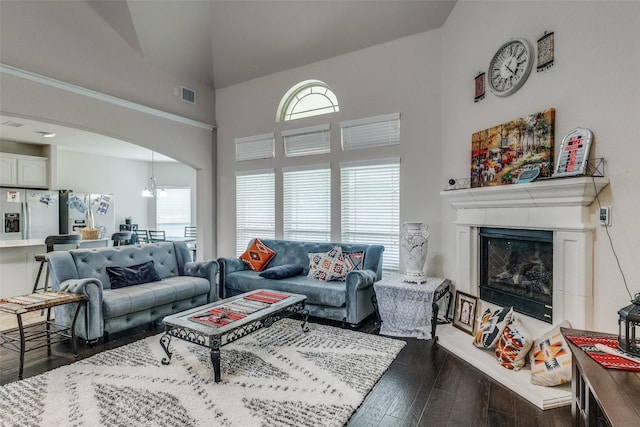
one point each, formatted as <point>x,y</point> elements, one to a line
<point>605,215</point>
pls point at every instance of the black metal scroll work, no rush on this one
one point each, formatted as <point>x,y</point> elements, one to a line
<point>165,340</point>
<point>182,333</point>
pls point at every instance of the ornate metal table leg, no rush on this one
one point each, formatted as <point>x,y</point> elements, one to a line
<point>434,320</point>
<point>215,358</point>
<point>165,340</point>
<point>73,329</point>
<point>305,317</point>
<point>22,345</point>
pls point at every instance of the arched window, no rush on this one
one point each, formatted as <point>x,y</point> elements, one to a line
<point>306,99</point>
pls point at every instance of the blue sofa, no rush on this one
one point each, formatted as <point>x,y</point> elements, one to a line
<point>347,301</point>
<point>183,285</point>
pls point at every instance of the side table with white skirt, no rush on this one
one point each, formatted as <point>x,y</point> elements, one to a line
<point>410,309</point>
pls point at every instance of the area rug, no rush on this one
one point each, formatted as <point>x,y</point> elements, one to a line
<point>277,376</point>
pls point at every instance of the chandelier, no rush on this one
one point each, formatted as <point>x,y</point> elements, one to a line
<point>152,189</point>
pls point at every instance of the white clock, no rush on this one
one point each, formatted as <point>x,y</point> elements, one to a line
<point>510,67</point>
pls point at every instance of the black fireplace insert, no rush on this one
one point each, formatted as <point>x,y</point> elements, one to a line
<point>516,269</point>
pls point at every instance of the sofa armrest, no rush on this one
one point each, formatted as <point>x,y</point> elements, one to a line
<point>90,323</point>
<point>231,265</point>
<point>208,270</point>
<point>360,279</point>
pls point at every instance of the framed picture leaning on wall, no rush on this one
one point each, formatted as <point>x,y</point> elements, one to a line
<point>465,312</point>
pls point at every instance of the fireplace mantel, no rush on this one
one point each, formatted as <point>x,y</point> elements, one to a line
<point>559,192</point>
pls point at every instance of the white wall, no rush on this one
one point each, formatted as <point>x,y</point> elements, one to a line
<point>593,84</point>
<point>429,78</point>
<point>401,76</point>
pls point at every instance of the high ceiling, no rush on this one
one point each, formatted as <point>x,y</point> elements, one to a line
<point>222,43</point>
<point>225,42</point>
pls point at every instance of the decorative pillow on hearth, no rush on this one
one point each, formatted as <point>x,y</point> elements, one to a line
<point>491,327</point>
<point>326,266</point>
<point>550,358</point>
<point>513,346</point>
<point>257,255</point>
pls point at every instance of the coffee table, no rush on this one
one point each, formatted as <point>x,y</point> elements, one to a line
<point>222,322</point>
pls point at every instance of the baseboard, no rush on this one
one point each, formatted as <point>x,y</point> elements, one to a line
<point>460,344</point>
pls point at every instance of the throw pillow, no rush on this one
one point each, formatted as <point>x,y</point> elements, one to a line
<point>257,255</point>
<point>491,327</point>
<point>121,277</point>
<point>550,358</point>
<point>282,271</point>
<point>353,260</point>
<point>513,346</point>
<point>326,266</point>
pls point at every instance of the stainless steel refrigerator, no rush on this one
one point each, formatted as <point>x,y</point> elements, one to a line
<point>76,208</point>
<point>28,214</point>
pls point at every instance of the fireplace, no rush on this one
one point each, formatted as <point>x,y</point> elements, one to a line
<point>516,269</point>
<point>559,207</point>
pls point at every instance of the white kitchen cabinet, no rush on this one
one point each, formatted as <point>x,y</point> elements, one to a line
<point>24,171</point>
<point>8,170</point>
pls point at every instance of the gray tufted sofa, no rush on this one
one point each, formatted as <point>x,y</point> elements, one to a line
<point>348,301</point>
<point>184,284</point>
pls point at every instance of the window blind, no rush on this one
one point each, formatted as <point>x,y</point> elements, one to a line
<point>307,141</point>
<point>255,207</point>
<point>371,132</point>
<point>255,147</point>
<point>371,206</point>
<point>173,212</point>
<point>307,203</point>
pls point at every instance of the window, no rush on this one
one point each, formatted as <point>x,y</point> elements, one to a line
<point>307,203</point>
<point>173,212</point>
<point>255,147</point>
<point>369,132</point>
<point>306,99</point>
<point>255,207</point>
<point>307,141</point>
<point>371,206</point>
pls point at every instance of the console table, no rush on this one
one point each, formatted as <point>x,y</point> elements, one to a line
<point>41,334</point>
<point>601,396</point>
<point>409,309</point>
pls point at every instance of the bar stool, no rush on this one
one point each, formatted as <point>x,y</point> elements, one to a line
<point>121,238</point>
<point>50,241</point>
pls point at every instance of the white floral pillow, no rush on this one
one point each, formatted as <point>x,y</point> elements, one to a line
<point>326,266</point>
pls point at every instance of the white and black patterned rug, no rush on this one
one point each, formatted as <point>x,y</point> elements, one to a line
<point>279,376</point>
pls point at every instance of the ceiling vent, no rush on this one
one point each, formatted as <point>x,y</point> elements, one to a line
<point>187,95</point>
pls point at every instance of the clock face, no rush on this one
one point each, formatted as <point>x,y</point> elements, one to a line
<point>510,67</point>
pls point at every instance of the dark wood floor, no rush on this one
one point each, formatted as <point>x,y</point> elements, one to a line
<point>425,386</point>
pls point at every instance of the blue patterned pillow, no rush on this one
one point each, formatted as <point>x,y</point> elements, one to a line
<point>491,327</point>
<point>282,271</point>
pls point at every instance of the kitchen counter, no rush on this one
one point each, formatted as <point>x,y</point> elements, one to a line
<point>18,267</point>
<point>40,242</point>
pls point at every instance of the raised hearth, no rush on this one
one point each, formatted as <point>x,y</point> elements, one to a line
<point>559,205</point>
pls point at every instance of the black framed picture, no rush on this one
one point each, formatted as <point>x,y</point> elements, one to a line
<point>465,312</point>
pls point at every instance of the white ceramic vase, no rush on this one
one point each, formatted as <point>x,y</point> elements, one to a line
<point>414,245</point>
